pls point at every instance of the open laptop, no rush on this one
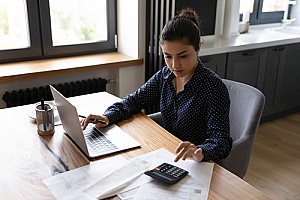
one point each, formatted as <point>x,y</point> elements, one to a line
<point>91,141</point>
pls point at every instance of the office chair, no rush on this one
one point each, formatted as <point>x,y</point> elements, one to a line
<point>246,108</point>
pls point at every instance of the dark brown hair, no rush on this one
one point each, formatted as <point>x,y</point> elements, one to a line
<point>184,27</point>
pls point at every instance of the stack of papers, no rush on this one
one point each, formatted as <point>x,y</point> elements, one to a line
<point>109,185</point>
<point>125,178</point>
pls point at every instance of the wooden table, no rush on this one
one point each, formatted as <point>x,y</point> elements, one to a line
<point>27,158</point>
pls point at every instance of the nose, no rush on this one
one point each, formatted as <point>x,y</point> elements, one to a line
<point>175,63</point>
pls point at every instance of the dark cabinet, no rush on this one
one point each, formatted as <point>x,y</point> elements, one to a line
<point>216,63</point>
<point>274,77</point>
<point>248,67</point>
<point>291,79</point>
<point>275,71</point>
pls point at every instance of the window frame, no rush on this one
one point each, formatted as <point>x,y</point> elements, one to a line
<point>41,40</point>
<point>97,47</point>
<point>34,50</point>
<point>259,17</point>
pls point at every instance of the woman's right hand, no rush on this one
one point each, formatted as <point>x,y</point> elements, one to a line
<point>99,120</point>
<point>188,150</point>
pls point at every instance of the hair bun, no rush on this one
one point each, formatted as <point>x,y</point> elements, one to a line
<point>190,14</point>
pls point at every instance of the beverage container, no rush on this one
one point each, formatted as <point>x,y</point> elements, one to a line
<point>44,119</point>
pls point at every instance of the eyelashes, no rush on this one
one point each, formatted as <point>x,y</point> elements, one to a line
<point>180,57</point>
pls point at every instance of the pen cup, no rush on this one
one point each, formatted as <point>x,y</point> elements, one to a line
<point>44,119</point>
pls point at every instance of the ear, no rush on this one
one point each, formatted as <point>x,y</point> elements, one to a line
<point>199,45</point>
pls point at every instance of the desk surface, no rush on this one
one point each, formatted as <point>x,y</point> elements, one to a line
<point>27,158</point>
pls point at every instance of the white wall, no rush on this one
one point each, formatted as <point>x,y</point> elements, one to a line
<point>131,41</point>
<point>231,19</point>
<point>296,13</point>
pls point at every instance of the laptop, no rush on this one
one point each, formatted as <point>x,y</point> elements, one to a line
<point>92,142</point>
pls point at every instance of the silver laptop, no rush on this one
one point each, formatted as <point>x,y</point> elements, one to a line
<point>91,141</point>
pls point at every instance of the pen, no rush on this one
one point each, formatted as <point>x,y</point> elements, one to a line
<point>42,104</point>
<point>97,120</point>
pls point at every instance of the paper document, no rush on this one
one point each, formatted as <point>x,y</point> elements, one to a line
<point>116,175</point>
<point>195,185</point>
<point>128,194</point>
<point>107,186</point>
<point>157,191</point>
<point>70,184</point>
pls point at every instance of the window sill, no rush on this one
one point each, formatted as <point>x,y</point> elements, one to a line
<point>30,70</point>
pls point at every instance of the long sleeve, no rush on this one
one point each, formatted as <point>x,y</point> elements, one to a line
<point>219,143</point>
<point>146,95</point>
<point>200,113</point>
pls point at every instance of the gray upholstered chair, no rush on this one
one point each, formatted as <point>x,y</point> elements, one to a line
<point>246,108</point>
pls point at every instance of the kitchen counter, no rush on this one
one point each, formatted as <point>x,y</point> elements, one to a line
<point>258,37</point>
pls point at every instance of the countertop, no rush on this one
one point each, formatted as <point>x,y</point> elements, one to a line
<point>257,37</point>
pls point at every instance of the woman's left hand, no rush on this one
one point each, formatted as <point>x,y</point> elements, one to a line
<point>188,150</point>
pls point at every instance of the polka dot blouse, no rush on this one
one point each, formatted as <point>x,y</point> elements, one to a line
<point>198,114</point>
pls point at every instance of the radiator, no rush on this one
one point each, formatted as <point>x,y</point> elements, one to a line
<point>29,96</point>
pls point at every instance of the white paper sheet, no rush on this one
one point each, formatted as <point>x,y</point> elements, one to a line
<point>196,183</point>
<point>70,185</point>
<point>118,179</point>
<point>157,191</point>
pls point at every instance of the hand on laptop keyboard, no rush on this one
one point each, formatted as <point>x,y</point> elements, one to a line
<point>99,120</point>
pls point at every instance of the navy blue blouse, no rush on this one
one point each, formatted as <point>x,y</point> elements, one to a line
<point>198,114</point>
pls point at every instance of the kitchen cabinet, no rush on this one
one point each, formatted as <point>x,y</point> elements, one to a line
<point>216,63</point>
<point>291,79</point>
<point>274,77</point>
<point>273,70</point>
<point>248,67</point>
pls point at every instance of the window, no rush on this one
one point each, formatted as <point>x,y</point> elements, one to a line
<point>33,29</point>
<point>13,25</point>
<point>273,5</point>
<point>75,25</point>
<point>19,30</point>
<point>263,11</point>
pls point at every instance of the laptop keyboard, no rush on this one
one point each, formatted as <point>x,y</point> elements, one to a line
<point>97,142</point>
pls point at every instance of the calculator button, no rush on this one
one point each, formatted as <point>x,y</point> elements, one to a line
<point>167,173</point>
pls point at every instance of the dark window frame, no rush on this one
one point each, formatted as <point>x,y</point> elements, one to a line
<point>34,50</point>
<point>259,17</point>
<point>41,39</point>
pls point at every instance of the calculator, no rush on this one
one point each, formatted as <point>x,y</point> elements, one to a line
<point>167,173</point>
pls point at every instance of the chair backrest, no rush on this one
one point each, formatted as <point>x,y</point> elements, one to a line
<point>246,108</point>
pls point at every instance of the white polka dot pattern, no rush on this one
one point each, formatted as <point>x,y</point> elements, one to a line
<point>199,113</point>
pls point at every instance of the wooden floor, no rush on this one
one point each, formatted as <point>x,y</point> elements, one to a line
<point>275,163</point>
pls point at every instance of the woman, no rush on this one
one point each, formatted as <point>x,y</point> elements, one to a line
<point>194,102</point>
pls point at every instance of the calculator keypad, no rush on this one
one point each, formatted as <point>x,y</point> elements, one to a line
<point>167,173</point>
<point>170,170</point>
